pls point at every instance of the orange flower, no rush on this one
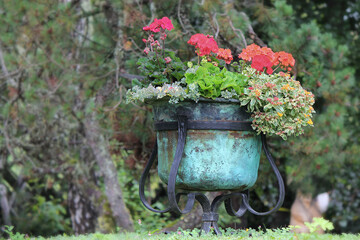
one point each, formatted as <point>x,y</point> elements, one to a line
<point>285,59</point>
<point>250,51</point>
<point>224,54</point>
<point>269,53</point>
<point>287,87</point>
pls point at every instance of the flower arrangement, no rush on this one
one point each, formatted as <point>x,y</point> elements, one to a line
<point>260,80</point>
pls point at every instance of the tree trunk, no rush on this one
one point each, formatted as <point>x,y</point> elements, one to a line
<point>4,206</point>
<point>83,212</point>
<point>113,191</point>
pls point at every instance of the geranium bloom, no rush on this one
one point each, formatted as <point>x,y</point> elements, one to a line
<point>252,50</point>
<point>249,52</point>
<point>164,23</point>
<point>269,53</point>
<point>204,44</point>
<point>225,54</point>
<point>261,61</point>
<point>285,59</point>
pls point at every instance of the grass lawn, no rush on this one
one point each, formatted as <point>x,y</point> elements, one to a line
<point>252,234</point>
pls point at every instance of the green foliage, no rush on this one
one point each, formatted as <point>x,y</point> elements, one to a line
<point>211,80</point>
<point>319,224</point>
<point>346,196</point>
<point>281,233</point>
<point>40,211</point>
<point>158,72</point>
<point>142,221</point>
<point>14,236</point>
<point>315,162</point>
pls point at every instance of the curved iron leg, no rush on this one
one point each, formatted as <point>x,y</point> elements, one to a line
<point>143,179</point>
<point>245,196</point>
<point>182,128</point>
<point>280,181</point>
<point>173,197</point>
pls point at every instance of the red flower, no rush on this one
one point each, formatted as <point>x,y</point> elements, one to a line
<point>269,53</point>
<point>285,59</point>
<point>164,23</point>
<point>249,52</point>
<point>261,61</point>
<point>225,54</point>
<point>204,44</point>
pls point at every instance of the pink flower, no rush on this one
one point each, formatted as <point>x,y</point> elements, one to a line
<point>270,85</point>
<point>166,23</point>
<point>144,40</point>
<point>155,43</point>
<point>204,44</point>
<point>146,50</point>
<point>163,36</point>
<point>167,59</point>
<point>158,24</point>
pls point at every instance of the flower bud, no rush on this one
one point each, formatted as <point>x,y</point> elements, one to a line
<point>146,50</point>
<point>168,59</point>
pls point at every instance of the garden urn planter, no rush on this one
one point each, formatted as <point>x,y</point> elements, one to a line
<point>221,151</point>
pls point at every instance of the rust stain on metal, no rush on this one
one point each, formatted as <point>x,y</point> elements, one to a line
<point>201,134</point>
<point>240,134</point>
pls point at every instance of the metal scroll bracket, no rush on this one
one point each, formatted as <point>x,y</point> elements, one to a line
<point>210,215</point>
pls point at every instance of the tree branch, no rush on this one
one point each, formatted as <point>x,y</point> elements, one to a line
<point>251,32</point>
<point>131,76</point>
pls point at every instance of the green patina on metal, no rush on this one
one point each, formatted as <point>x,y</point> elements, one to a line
<point>213,160</point>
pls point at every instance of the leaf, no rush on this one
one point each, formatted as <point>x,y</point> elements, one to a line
<point>136,82</point>
<point>245,102</point>
<point>252,104</point>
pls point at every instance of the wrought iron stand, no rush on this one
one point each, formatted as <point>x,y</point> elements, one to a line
<point>210,215</point>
